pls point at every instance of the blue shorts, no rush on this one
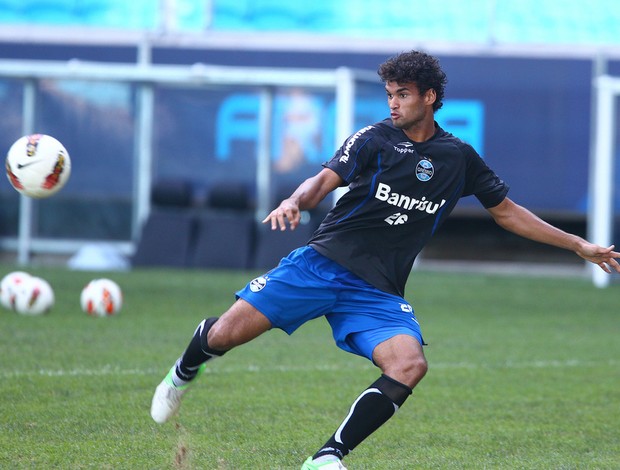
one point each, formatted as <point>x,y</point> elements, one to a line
<point>307,285</point>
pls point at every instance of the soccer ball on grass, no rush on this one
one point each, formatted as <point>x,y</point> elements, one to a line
<point>38,165</point>
<point>9,286</point>
<point>101,298</point>
<point>34,296</point>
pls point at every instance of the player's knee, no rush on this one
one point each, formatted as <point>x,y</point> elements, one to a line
<point>409,371</point>
<point>218,337</point>
<point>417,368</point>
<point>240,324</point>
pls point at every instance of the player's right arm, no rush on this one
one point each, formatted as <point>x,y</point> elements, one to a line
<point>307,196</point>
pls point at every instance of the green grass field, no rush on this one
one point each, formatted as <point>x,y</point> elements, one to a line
<point>524,374</point>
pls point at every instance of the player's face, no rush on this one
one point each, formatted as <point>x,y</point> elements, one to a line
<point>409,109</point>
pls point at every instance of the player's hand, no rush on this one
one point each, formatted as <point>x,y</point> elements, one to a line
<point>287,210</point>
<point>603,257</point>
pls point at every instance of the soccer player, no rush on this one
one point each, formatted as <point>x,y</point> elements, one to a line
<point>405,175</point>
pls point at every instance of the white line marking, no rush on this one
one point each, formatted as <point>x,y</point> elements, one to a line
<point>108,370</point>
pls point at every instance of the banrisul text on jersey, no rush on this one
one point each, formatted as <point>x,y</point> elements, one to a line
<point>384,193</point>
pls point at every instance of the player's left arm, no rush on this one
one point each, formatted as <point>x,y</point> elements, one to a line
<point>519,220</point>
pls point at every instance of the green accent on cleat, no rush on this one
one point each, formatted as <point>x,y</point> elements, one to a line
<point>169,381</point>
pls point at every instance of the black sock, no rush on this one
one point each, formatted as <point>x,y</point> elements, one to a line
<point>372,408</point>
<point>197,353</point>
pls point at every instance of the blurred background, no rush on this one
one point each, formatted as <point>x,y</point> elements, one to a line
<point>181,114</point>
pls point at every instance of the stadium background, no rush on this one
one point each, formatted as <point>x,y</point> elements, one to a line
<point>520,90</point>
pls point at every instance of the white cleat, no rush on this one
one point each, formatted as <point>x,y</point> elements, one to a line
<point>166,401</point>
<point>334,464</point>
<point>167,398</point>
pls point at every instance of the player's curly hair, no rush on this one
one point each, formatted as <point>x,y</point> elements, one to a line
<point>419,68</point>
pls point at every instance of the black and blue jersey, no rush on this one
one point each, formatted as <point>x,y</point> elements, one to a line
<point>400,192</point>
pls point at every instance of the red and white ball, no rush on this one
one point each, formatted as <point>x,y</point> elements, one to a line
<point>9,286</point>
<point>38,165</point>
<point>34,296</point>
<point>101,298</point>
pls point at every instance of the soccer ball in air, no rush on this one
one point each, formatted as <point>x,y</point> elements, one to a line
<point>34,296</point>
<point>101,298</point>
<point>38,165</point>
<point>8,288</point>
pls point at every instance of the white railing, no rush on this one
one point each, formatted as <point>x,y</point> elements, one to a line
<point>144,75</point>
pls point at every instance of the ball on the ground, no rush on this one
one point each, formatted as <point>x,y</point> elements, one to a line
<point>34,296</point>
<point>8,288</point>
<point>101,298</point>
<point>38,165</point>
